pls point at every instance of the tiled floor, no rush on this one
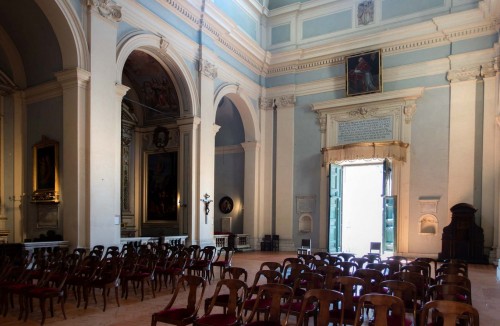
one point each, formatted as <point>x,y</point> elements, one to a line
<point>485,296</point>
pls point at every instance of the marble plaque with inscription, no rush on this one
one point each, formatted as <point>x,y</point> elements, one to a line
<point>364,130</point>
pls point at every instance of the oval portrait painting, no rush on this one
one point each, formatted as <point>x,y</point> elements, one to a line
<point>226,205</point>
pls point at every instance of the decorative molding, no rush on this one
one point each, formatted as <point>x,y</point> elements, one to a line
<point>232,149</point>
<point>284,101</point>
<point>7,86</point>
<point>466,73</point>
<point>107,9</point>
<point>207,68</point>
<point>43,92</point>
<point>409,110</point>
<point>266,103</point>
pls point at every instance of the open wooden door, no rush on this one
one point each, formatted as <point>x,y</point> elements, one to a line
<point>335,214</point>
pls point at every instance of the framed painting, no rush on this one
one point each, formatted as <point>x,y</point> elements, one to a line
<point>161,187</point>
<point>46,171</point>
<point>363,73</point>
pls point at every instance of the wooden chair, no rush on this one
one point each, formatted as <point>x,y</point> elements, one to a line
<point>454,279</point>
<point>46,289</point>
<point>407,292</point>
<point>203,263</point>
<point>388,310</point>
<point>238,291</point>
<point>235,273</point>
<point>327,303</point>
<point>352,288</point>
<point>449,292</point>
<point>143,272</point>
<point>360,261</point>
<point>183,315</point>
<point>416,269</point>
<point>430,261</point>
<point>420,282</point>
<point>427,266</point>
<point>376,247</point>
<point>303,283</point>
<point>372,278</point>
<point>348,267</point>
<point>449,312</point>
<point>452,268</point>
<point>269,277</point>
<point>291,272</point>
<point>330,273</point>
<point>269,300</point>
<point>271,265</point>
<point>305,247</point>
<point>107,277</point>
<point>345,256</point>
<point>223,260</point>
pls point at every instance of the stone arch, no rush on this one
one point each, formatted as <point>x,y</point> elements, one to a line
<point>173,63</point>
<point>68,31</point>
<point>244,107</point>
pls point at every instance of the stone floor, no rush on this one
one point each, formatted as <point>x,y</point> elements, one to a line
<point>133,312</point>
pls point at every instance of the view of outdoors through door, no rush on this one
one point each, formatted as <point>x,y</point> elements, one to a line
<point>362,206</point>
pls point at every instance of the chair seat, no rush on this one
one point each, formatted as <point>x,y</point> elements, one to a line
<point>263,323</point>
<point>174,313</point>
<point>217,319</point>
<point>297,305</point>
<point>395,321</point>
<point>263,304</point>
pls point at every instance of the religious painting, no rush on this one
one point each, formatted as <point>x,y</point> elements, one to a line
<point>153,86</point>
<point>363,73</point>
<point>161,194</point>
<point>226,205</point>
<point>366,10</point>
<point>46,171</point>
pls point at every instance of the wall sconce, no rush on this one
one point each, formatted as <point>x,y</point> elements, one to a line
<point>207,202</point>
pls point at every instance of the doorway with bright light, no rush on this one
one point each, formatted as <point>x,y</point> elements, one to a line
<point>362,209</point>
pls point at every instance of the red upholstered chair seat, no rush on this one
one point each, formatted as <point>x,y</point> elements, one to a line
<point>217,319</point>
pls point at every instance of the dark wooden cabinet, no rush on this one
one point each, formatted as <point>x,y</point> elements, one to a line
<point>463,238</point>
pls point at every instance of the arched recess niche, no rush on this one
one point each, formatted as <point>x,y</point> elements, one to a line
<point>428,224</point>
<point>305,223</point>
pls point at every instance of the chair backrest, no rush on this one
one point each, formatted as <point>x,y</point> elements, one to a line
<point>450,311</point>
<point>330,273</point>
<point>235,273</point>
<point>272,265</point>
<point>376,247</point>
<point>420,282</point>
<point>345,256</point>
<point>372,278</point>
<point>326,300</point>
<point>237,292</point>
<point>454,279</point>
<point>389,310</point>
<point>424,264</point>
<point>451,292</point>
<point>278,294</point>
<point>348,267</point>
<point>406,291</point>
<point>270,276</point>
<point>350,286</point>
<point>196,286</point>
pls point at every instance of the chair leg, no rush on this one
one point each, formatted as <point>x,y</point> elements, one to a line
<point>117,297</point>
<point>104,298</point>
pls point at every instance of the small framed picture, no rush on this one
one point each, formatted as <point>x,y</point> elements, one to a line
<point>363,73</point>
<point>226,205</point>
<point>46,171</point>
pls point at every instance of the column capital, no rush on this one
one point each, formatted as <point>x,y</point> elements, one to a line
<point>207,68</point>
<point>465,73</point>
<point>121,90</point>
<point>280,102</point>
<point>107,9</point>
<point>250,146</point>
<point>188,124</point>
<point>73,77</point>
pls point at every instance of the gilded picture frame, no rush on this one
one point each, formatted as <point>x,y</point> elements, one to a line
<point>46,171</point>
<point>363,73</point>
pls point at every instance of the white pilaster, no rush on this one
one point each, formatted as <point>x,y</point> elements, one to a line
<point>104,123</point>
<point>489,197</point>
<point>20,199</point>
<point>188,176</point>
<point>462,137</point>
<point>251,181</point>
<point>206,162</point>
<point>284,166</point>
<point>74,83</point>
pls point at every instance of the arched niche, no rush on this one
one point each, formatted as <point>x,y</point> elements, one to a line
<point>428,225</point>
<point>305,223</point>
